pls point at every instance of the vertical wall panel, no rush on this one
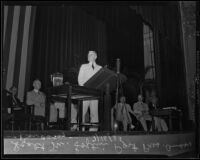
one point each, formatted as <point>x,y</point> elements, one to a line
<point>5,21</point>
<point>19,46</point>
<point>6,47</point>
<point>23,64</point>
<point>13,44</point>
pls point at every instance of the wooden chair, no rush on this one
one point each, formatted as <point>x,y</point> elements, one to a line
<point>7,121</point>
<point>18,117</point>
<point>34,120</point>
<point>13,113</point>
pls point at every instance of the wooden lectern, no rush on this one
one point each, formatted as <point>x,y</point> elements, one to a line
<point>103,78</point>
<point>106,81</point>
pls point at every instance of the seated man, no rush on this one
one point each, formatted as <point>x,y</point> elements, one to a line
<point>122,112</point>
<point>15,107</point>
<point>38,99</point>
<point>161,124</point>
<point>6,111</point>
<point>141,111</point>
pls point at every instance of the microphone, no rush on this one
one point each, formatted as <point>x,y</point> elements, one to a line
<point>118,65</point>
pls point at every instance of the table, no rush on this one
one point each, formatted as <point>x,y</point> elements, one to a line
<point>170,114</point>
<point>68,92</point>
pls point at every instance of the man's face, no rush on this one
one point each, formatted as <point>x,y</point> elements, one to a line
<point>14,91</point>
<point>122,99</point>
<point>92,56</point>
<point>37,84</point>
<point>140,98</point>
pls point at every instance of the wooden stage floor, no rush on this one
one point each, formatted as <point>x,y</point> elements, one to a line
<point>97,143</point>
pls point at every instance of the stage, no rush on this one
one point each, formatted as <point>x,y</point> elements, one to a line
<point>103,143</point>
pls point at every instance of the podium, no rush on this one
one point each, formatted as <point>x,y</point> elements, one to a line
<point>104,77</point>
<point>106,81</point>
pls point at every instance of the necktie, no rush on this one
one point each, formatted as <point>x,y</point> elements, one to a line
<point>154,106</point>
<point>93,66</point>
<point>15,101</point>
<point>125,113</point>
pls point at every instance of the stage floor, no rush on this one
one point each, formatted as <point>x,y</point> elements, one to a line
<point>104,143</point>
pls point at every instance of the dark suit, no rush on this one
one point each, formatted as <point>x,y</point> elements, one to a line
<point>16,113</point>
<point>13,101</point>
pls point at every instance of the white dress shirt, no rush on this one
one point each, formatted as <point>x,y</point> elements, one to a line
<point>86,72</point>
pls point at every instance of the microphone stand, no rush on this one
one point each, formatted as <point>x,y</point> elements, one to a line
<point>117,85</point>
<point>117,91</point>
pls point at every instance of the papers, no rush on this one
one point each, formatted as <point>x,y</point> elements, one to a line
<point>173,108</point>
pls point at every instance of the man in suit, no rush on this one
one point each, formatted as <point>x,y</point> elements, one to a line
<point>13,100</point>
<point>141,111</point>
<point>38,99</point>
<point>122,112</point>
<point>12,108</point>
<point>159,122</point>
<point>85,73</point>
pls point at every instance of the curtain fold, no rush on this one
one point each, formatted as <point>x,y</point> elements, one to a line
<point>17,46</point>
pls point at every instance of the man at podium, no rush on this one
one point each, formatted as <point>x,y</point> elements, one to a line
<point>85,73</point>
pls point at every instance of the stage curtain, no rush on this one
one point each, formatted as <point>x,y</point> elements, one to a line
<point>169,57</point>
<point>63,37</point>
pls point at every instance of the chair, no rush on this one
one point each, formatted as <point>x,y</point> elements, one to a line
<point>53,125</point>
<point>17,118</point>
<point>13,113</point>
<point>34,120</point>
<point>7,121</point>
<point>136,123</point>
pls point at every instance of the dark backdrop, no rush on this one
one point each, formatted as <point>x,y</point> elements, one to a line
<point>64,34</point>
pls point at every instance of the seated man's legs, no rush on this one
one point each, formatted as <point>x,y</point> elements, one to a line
<point>61,110</point>
<point>157,123</point>
<point>163,125</point>
<point>74,116</point>
<point>85,108</point>
<point>61,107</point>
<point>148,118</point>
<point>143,122</point>
<point>160,124</point>
<point>40,111</point>
<point>53,113</point>
<point>119,126</point>
<point>125,125</point>
<point>94,114</point>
